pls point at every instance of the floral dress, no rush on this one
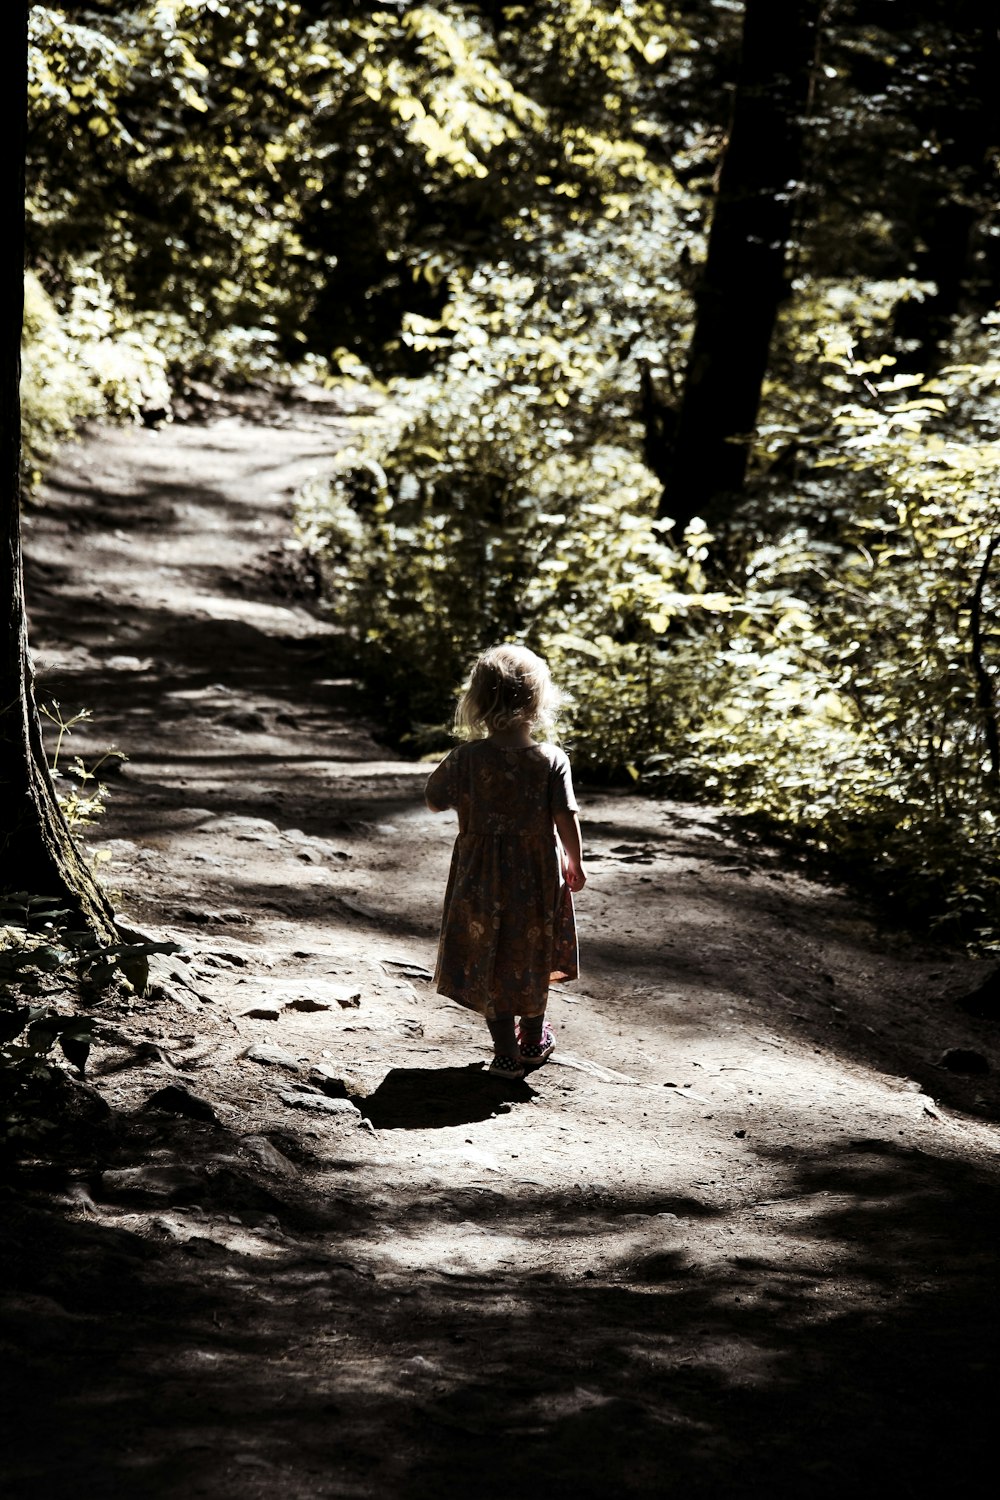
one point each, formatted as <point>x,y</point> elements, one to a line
<point>508,929</point>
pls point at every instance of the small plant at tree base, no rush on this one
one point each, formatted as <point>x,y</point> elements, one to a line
<point>82,801</point>
<point>41,955</point>
<point>37,934</point>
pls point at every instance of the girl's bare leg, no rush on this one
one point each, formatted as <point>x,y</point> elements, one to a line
<point>531,1030</point>
<point>504,1037</point>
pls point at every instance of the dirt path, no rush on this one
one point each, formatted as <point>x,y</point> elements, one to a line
<point>738,1238</point>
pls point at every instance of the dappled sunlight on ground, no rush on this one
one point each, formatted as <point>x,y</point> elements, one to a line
<point>737,1238</point>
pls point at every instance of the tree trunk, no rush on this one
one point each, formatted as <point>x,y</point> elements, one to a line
<point>743,282</point>
<point>38,853</point>
<point>962,117</point>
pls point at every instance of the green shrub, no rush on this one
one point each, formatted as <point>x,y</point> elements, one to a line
<point>827,687</point>
<point>450,540</point>
<point>81,362</point>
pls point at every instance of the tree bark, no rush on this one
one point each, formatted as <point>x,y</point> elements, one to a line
<point>37,852</point>
<point>743,282</point>
<point>962,117</point>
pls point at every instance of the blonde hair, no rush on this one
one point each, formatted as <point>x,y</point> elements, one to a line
<point>508,685</point>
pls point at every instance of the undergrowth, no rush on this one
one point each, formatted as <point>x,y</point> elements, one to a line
<point>49,968</point>
<point>826,666</point>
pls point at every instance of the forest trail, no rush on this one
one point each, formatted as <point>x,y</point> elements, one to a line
<point>739,1237</point>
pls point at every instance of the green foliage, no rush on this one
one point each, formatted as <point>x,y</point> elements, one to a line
<point>310,176</point>
<point>273,180</point>
<point>38,937</point>
<point>44,958</point>
<point>79,792</point>
<point>824,684</point>
<point>461,533</point>
<point>506,205</point>
<point>861,719</point>
<point>79,363</point>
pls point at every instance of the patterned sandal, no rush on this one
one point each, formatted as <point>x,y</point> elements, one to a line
<point>533,1054</point>
<point>506,1067</point>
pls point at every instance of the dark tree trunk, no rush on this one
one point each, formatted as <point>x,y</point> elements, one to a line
<point>743,282</point>
<point>38,854</point>
<point>963,119</point>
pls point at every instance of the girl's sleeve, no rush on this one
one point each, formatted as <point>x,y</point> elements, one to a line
<point>441,789</point>
<point>561,785</point>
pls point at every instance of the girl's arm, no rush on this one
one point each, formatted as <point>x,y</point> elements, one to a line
<point>437,791</point>
<point>568,827</point>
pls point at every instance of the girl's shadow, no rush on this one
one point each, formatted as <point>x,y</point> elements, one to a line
<point>425,1098</point>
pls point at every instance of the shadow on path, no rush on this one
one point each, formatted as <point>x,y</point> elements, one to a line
<point>166,1371</point>
<point>182,1323</point>
<point>430,1098</point>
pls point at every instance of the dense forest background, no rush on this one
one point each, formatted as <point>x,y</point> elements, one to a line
<point>683,323</point>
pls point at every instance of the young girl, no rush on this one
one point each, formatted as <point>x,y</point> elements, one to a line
<point>508,929</point>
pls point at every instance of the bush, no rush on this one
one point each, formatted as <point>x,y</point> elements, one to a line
<point>79,363</point>
<point>830,684</point>
<point>450,540</point>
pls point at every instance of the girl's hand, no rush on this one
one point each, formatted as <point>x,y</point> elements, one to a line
<point>568,828</point>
